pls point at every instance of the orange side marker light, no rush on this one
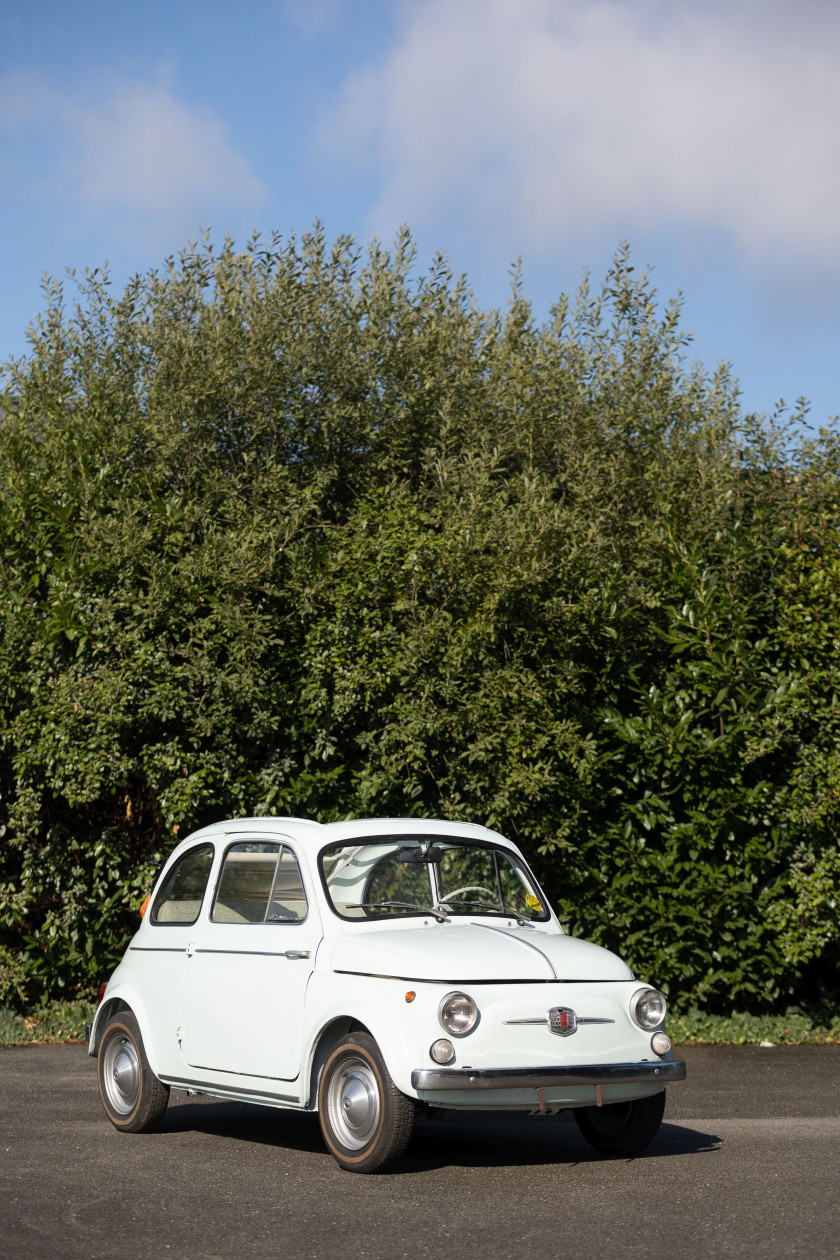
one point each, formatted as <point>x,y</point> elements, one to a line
<point>410,996</point>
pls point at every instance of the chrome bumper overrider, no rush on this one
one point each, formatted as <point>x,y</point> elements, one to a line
<point>540,1078</point>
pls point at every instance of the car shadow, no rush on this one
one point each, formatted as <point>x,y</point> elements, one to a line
<point>485,1140</point>
<point>473,1140</point>
<point>244,1122</point>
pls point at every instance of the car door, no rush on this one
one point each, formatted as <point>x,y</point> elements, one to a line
<point>163,946</point>
<point>249,965</point>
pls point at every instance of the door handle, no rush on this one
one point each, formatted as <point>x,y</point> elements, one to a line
<point>297,953</point>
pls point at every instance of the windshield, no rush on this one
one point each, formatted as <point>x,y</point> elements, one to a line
<point>410,875</point>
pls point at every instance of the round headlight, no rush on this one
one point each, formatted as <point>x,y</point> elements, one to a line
<point>458,1014</point>
<point>647,1007</point>
<point>442,1051</point>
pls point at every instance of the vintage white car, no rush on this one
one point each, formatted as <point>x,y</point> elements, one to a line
<point>371,970</point>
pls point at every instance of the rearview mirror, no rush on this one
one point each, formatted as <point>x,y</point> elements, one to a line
<point>416,857</point>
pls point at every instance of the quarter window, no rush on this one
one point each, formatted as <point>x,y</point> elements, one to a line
<point>179,901</point>
<point>259,883</point>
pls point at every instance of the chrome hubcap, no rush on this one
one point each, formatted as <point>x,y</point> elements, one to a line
<point>353,1103</point>
<point>121,1074</point>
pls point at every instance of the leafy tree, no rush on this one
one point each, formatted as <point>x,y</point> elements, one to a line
<point>291,530</point>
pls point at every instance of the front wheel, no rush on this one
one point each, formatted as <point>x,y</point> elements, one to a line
<point>135,1101</point>
<point>365,1120</point>
<point>620,1129</point>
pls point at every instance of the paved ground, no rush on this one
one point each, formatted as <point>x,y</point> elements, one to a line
<point>747,1164</point>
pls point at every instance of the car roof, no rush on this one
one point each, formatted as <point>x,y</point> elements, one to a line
<point>314,835</point>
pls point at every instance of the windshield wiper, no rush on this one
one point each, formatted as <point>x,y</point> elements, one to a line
<point>400,905</point>
<point>487,905</point>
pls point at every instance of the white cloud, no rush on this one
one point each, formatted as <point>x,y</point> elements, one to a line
<point>135,152</point>
<point>551,117</point>
<point>311,18</point>
<point>148,152</point>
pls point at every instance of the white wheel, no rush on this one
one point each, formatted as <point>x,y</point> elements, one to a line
<point>365,1120</point>
<point>120,1074</point>
<point>133,1097</point>
<point>354,1103</point>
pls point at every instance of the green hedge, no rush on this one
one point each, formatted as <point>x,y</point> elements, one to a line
<point>59,1021</point>
<point>293,530</point>
<point>794,1027</point>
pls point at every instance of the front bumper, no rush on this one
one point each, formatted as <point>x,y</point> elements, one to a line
<point>435,1079</point>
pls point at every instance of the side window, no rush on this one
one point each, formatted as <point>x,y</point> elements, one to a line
<point>288,900</point>
<point>180,898</point>
<point>259,883</point>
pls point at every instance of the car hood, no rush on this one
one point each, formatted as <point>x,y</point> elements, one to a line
<point>463,952</point>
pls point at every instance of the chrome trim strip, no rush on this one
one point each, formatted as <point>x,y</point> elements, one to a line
<point>207,1088</point>
<point>539,1078</point>
<point>520,940</point>
<point>581,1019</point>
<point>260,953</point>
<point>376,975</point>
<point>159,949</point>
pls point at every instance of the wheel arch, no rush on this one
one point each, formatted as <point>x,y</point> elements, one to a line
<point>329,1036</point>
<point>112,1005</point>
<point>104,1012</point>
<point>337,1003</point>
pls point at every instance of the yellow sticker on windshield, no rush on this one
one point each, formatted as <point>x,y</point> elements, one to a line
<point>533,901</point>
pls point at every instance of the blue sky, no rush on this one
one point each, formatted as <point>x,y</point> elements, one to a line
<point>708,136</point>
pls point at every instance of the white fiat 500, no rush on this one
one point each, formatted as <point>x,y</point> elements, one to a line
<point>371,970</point>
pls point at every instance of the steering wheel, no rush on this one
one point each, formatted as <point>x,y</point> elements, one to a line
<point>477,888</point>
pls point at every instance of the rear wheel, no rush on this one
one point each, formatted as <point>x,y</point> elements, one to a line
<point>133,1097</point>
<point>621,1129</point>
<point>365,1120</point>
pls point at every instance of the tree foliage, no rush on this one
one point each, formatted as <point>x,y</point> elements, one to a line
<point>293,530</point>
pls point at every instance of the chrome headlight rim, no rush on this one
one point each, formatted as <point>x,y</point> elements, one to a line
<point>646,1025</point>
<point>451,1028</point>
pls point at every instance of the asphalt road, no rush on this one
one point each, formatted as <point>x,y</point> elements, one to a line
<point>747,1164</point>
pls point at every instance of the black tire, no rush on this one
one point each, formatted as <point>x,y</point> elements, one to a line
<point>365,1120</point>
<point>135,1101</point>
<point>621,1129</point>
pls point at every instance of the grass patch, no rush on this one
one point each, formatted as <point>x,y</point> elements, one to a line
<point>819,1027</point>
<point>58,1021</point>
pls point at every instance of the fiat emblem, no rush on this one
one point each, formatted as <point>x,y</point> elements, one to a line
<point>562,1021</point>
